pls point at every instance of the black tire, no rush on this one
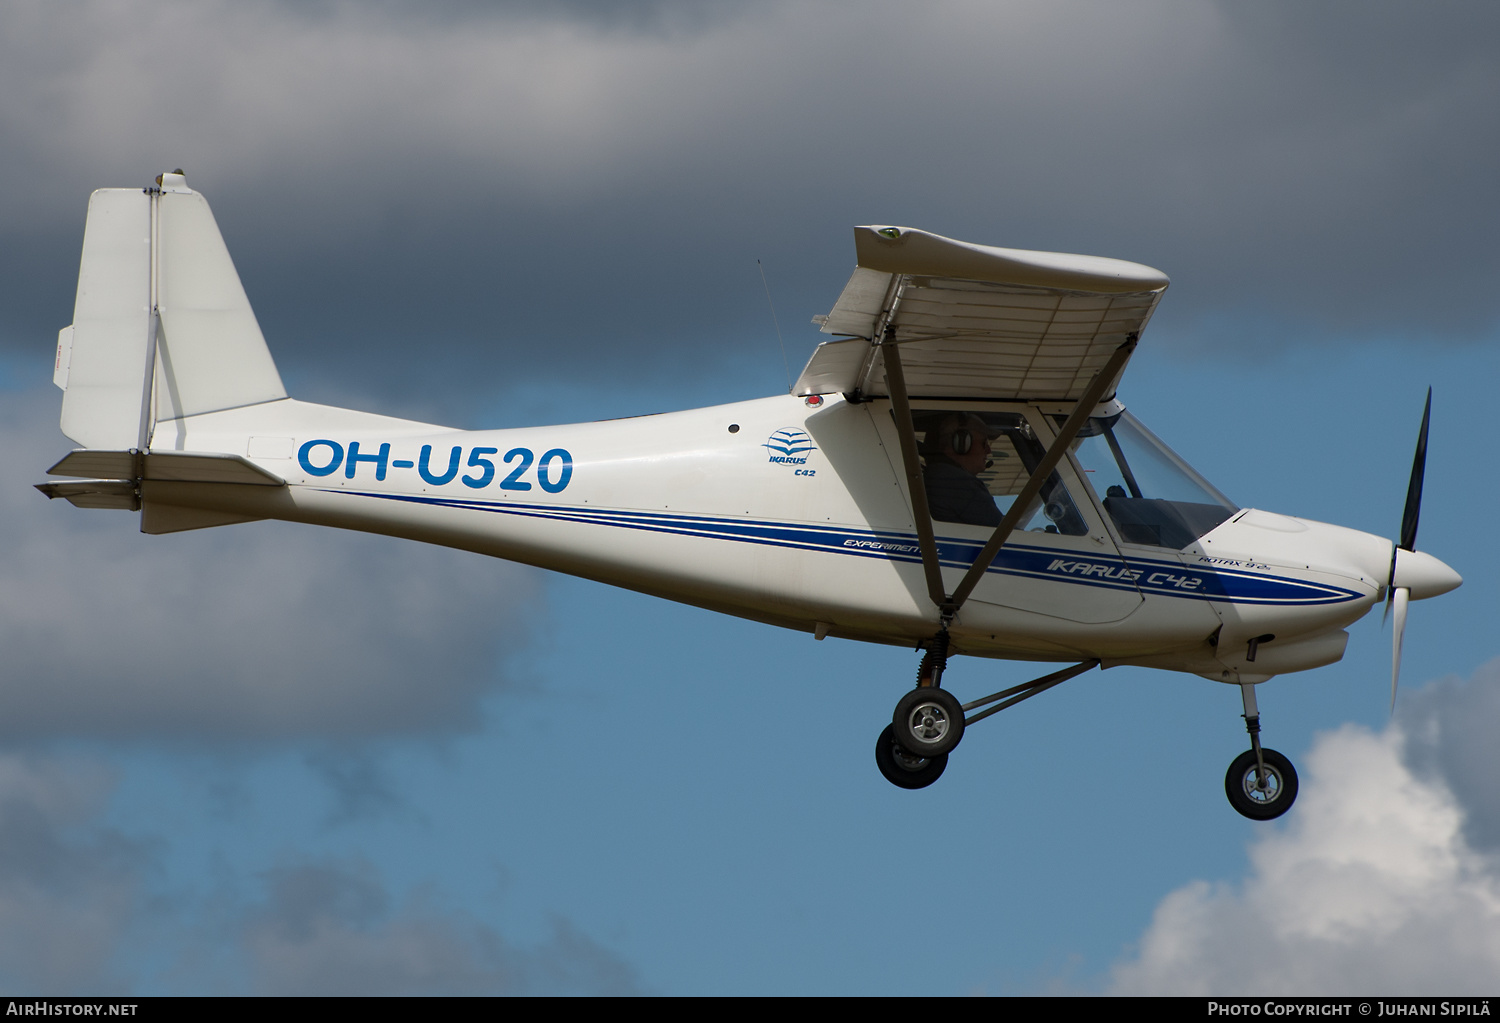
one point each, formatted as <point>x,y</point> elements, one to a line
<point>901,768</point>
<point>1281,787</point>
<point>928,722</point>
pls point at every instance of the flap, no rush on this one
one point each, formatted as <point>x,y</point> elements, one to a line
<point>975,321</point>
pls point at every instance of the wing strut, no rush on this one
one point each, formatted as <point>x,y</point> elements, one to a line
<point>896,382</point>
<point>1039,475</point>
<point>1026,690</point>
<point>948,604</point>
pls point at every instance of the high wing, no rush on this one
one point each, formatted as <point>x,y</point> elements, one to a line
<point>936,318</point>
<point>975,321</point>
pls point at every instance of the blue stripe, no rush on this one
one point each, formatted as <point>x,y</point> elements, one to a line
<point>1169,578</point>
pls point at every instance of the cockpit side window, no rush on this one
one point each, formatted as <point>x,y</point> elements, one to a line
<point>1152,496</point>
<point>974,464</point>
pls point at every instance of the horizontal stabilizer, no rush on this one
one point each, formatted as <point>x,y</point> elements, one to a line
<point>115,465</point>
<point>208,467</point>
<point>122,495</point>
<point>178,466</point>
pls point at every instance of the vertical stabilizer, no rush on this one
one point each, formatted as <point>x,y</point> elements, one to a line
<point>211,354</point>
<point>156,289</point>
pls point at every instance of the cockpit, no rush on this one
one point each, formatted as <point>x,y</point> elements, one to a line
<point>1151,495</point>
<point>975,462</point>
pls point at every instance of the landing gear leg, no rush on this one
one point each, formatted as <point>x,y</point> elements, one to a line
<point>1261,784</point>
<point>934,661</point>
<point>929,720</point>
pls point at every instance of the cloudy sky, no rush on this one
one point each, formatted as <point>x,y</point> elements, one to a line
<point>266,758</point>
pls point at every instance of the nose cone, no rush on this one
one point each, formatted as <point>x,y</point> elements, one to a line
<point>1424,575</point>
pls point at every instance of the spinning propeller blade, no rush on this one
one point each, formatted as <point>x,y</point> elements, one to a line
<point>1414,489</point>
<point>1400,595</point>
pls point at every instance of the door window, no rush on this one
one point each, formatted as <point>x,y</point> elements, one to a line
<point>975,464</point>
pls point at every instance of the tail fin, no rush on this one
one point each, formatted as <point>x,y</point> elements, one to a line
<point>162,328</point>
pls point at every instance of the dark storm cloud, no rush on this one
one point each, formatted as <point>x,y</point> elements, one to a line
<point>331,927</point>
<point>87,908</point>
<point>475,195</point>
<point>359,785</point>
<point>69,887</point>
<point>260,632</point>
<point>636,16</point>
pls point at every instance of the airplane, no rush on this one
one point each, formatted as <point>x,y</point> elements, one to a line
<point>953,471</point>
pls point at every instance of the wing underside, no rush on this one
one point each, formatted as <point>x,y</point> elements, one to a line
<point>978,322</point>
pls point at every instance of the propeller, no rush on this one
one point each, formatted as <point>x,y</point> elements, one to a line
<point>1399,596</point>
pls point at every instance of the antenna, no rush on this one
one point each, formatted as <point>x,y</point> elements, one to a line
<point>777,325</point>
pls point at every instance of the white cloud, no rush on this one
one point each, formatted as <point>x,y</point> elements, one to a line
<point>1450,727</point>
<point>1373,884</point>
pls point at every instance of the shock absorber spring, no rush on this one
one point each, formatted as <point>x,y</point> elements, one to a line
<point>934,661</point>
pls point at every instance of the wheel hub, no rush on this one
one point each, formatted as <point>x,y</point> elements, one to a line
<point>910,761</point>
<point>1266,790</point>
<point>929,722</point>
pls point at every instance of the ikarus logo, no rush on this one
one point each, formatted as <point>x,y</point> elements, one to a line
<point>789,447</point>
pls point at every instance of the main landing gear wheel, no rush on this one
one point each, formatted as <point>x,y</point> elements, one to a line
<point>928,722</point>
<point>904,769</point>
<point>1261,802</point>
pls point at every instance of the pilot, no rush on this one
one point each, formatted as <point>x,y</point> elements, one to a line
<point>957,451</point>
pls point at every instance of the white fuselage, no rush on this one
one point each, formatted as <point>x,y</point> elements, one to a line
<point>795,514</point>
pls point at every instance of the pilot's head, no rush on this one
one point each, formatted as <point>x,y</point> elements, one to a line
<point>962,438</point>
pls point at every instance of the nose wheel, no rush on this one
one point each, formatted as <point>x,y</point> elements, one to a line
<point>1261,784</point>
<point>1261,793</point>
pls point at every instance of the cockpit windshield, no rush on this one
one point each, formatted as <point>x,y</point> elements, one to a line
<point>1152,496</point>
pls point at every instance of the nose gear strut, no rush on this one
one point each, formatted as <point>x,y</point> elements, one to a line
<point>1261,784</point>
